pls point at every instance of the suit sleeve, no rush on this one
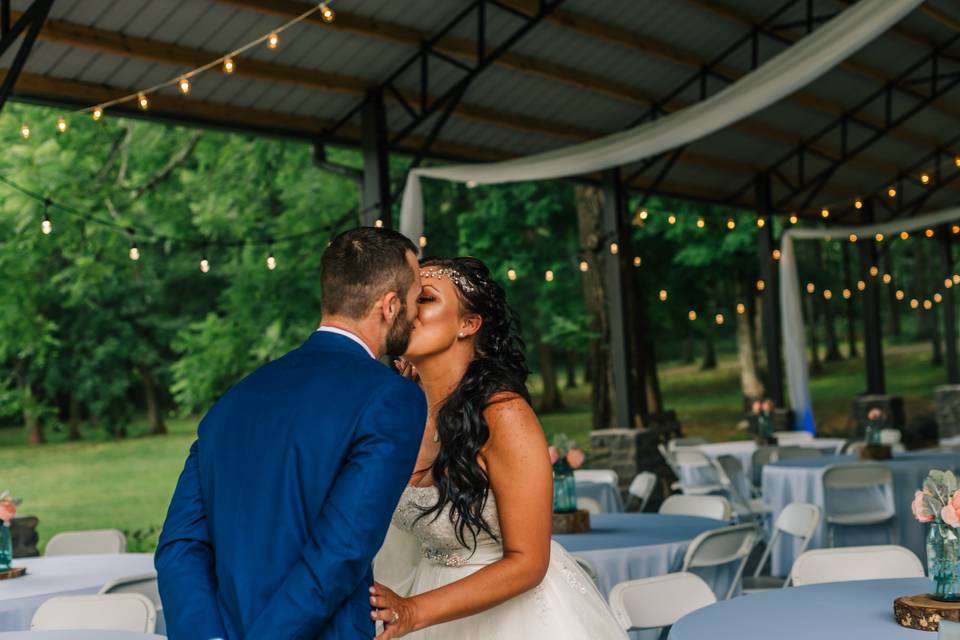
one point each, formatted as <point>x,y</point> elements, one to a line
<point>185,562</point>
<point>353,521</point>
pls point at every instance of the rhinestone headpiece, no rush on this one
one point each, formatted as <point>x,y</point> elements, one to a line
<point>452,275</point>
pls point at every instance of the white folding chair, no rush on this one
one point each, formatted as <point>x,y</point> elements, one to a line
<point>722,546</point>
<point>588,504</point>
<point>852,447</point>
<point>678,443</point>
<point>799,520</point>
<point>588,569</point>
<point>716,507</point>
<point>115,612</point>
<point>653,603</point>
<point>787,438</point>
<point>698,472</point>
<point>76,543</point>
<point>948,630</point>
<point>600,476</point>
<point>730,472</point>
<point>144,584</point>
<point>857,477</point>
<point>855,563</point>
<point>642,487</point>
<point>890,436</point>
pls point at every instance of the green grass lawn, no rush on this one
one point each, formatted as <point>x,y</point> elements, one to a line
<point>126,484</point>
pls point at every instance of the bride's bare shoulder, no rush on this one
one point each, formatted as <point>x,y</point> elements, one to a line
<point>508,414</point>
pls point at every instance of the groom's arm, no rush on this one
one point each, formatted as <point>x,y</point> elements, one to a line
<point>185,562</point>
<point>353,522</point>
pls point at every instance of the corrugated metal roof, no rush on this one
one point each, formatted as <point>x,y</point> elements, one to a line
<point>558,84</point>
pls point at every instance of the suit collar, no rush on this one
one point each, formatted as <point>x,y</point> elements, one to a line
<point>330,341</point>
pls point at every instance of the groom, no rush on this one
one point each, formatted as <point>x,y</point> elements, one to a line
<point>289,488</point>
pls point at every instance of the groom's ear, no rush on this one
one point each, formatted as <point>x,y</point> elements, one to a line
<point>389,306</point>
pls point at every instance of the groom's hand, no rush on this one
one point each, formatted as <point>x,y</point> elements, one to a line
<point>399,615</point>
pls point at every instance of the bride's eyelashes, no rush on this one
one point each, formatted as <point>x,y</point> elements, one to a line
<point>424,299</point>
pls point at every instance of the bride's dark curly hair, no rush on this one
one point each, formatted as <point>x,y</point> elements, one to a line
<point>499,366</point>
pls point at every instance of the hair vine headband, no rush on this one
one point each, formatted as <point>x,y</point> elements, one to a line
<point>452,275</point>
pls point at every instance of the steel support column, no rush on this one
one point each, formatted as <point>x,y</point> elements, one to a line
<point>949,310</point>
<point>770,297</point>
<point>30,22</point>
<point>617,277</point>
<point>375,201</point>
<point>872,333</point>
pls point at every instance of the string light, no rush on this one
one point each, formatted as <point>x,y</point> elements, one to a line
<point>672,219</point>
<point>378,223</point>
<point>887,278</point>
<point>229,66</point>
<point>204,265</point>
<point>811,288</point>
<point>761,223</point>
<point>663,295</point>
<point>929,233</point>
<point>956,278</point>
<point>776,254</point>
<point>471,184</point>
<point>955,229</point>
<point>825,213</point>
<point>853,237</point>
<point>614,248</point>
<point>858,204</point>
<point>900,294</point>
<point>956,161</point>
<point>637,261</point>
<point>46,226</point>
<point>861,285</point>
<point>584,266</point>
<point>892,192</point>
<point>741,308</point>
<point>701,223</point>
<point>644,214</point>
<point>184,85</point>
<point>134,252</point>
<point>511,275</point>
<point>143,102</point>
<point>692,315</point>
<point>914,303</point>
<point>273,41</point>
<point>878,237</point>
<point>874,271</point>
<point>61,124</point>
<point>327,14</point>
<point>96,114</point>
<point>718,318</point>
<point>423,241</point>
<point>731,224</point>
<point>827,294</point>
<point>548,276</point>
<point>927,305</point>
<point>904,235</point>
<point>925,178</point>
<point>761,285</point>
<point>794,219</point>
<point>271,262</point>
<point>937,298</point>
<point>847,294</point>
<point>948,283</point>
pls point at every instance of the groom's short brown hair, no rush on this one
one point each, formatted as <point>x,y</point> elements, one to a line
<point>360,266</point>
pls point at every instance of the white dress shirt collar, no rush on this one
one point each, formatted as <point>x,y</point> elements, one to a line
<point>348,334</point>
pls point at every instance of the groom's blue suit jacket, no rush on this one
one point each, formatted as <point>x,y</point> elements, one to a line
<point>286,496</point>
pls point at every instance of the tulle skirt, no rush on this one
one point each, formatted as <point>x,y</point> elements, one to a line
<point>565,606</point>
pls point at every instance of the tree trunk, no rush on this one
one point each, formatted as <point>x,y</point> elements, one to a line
<point>571,364</point>
<point>709,353</point>
<point>73,421</point>
<point>815,364</point>
<point>936,342</point>
<point>689,349</point>
<point>652,380</point>
<point>849,307</point>
<point>151,395</point>
<point>590,225</point>
<point>31,420</point>
<point>550,400</point>
<point>750,384</point>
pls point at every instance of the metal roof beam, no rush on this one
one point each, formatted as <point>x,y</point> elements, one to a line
<point>27,25</point>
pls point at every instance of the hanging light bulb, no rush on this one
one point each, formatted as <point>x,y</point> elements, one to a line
<point>874,271</point>
<point>847,294</point>
<point>956,161</point>
<point>858,204</point>
<point>692,315</point>
<point>811,288</point>
<point>644,214</point>
<point>761,223</point>
<point>827,294</point>
<point>937,298</point>
<point>718,318</point>
<point>794,219</point>
<point>955,229</point>
<point>511,275</point>
<point>824,213</point>
<point>614,248</point>
<point>701,223</point>
<point>184,85</point>
<point>584,266</point>
<point>46,226</point>
<point>861,285</point>
<point>637,261</point>
<point>901,294</point>
<point>927,304</point>
<point>914,303</point>
<point>887,278</point>
<point>892,192</point>
<point>327,14</point>
<point>134,252</point>
<point>548,276</point>
<point>143,102</point>
<point>271,262</point>
<point>25,131</point>
<point>925,178</point>
<point>853,237</point>
<point>929,233</point>
<point>878,237</point>
<point>731,224</point>
<point>663,295</point>
<point>956,278</point>
<point>61,124</point>
<point>273,41</point>
<point>423,241</point>
<point>948,283</point>
<point>904,235</point>
<point>96,114</point>
<point>776,255</point>
<point>378,223</point>
<point>229,66</point>
<point>672,219</point>
<point>741,308</point>
<point>761,285</point>
<point>204,265</point>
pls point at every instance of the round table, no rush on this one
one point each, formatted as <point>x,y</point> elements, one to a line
<point>48,577</point>
<point>606,494</point>
<point>78,635</point>
<point>833,611</point>
<point>628,546</point>
<point>802,481</point>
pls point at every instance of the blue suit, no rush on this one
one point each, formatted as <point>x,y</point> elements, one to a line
<point>286,496</point>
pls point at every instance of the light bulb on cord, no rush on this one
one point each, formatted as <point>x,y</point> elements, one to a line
<point>904,235</point>
<point>827,294</point>
<point>511,275</point>
<point>134,252</point>
<point>892,192</point>
<point>861,285</point>
<point>663,295</point>
<point>878,237</point>
<point>584,266</point>
<point>644,214</point>
<point>614,248</point>
<point>794,219</point>
<point>948,282</point>
<point>927,304</point>
<point>858,204</point>
<point>46,226</point>
<point>925,178</point>
<point>718,318</point>
<point>874,271</point>
<point>25,131</point>
<point>937,298</point>
<point>273,41</point>
<point>327,14</point>
<point>761,285</point>
<point>204,265</point>
<point>637,261</point>
<point>692,315</point>
<point>701,223</point>
<point>97,113</point>
<point>914,303</point>
<point>741,308</point>
<point>143,102</point>
<point>853,237</point>
<point>811,288</point>
<point>229,66</point>
<point>887,278</point>
<point>761,223</point>
<point>900,294</point>
<point>548,276</point>
<point>61,124</point>
<point>847,294</point>
<point>378,223</point>
<point>672,219</point>
<point>825,213</point>
<point>184,86</point>
<point>423,241</point>
<point>776,254</point>
<point>731,224</point>
<point>929,233</point>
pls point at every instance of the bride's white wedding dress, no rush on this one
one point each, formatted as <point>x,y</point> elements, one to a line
<point>423,555</point>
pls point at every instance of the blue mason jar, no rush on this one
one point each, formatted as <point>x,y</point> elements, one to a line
<point>564,488</point>
<point>6,547</point>
<point>943,562</point>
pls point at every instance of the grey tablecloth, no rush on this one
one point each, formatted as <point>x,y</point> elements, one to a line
<point>603,492</point>
<point>834,611</point>
<point>802,480</point>
<point>78,635</point>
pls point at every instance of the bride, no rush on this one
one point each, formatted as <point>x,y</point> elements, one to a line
<point>470,556</point>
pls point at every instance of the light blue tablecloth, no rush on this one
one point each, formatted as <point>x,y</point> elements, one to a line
<point>802,480</point>
<point>834,611</point>
<point>603,492</point>
<point>628,546</point>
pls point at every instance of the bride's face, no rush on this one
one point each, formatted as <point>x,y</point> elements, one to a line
<point>439,321</point>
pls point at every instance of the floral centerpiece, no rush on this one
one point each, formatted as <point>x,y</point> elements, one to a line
<point>565,456</point>
<point>8,509</point>
<point>764,416</point>
<point>876,422</point>
<point>938,505</point>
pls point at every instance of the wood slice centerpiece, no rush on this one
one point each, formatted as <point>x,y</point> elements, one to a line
<point>14,572</point>
<point>876,452</point>
<point>572,522</point>
<point>923,612</point>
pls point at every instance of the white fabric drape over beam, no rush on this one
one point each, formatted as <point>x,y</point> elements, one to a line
<point>790,70</point>
<point>794,339</point>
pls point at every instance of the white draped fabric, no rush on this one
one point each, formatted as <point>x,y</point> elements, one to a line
<point>794,342</point>
<point>792,69</point>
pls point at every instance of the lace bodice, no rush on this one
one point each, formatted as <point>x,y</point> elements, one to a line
<point>437,535</point>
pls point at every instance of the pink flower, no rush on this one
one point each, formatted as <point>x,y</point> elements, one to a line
<point>920,511</point>
<point>554,455</point>
<point>7,510</point>
<point>951,511</point>
<point>768,406</point>
<point>575,458</point>
<point>874,414</point>
<point>755,407</point>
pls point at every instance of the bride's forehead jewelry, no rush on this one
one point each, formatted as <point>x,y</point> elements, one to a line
<point>452,275</point>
